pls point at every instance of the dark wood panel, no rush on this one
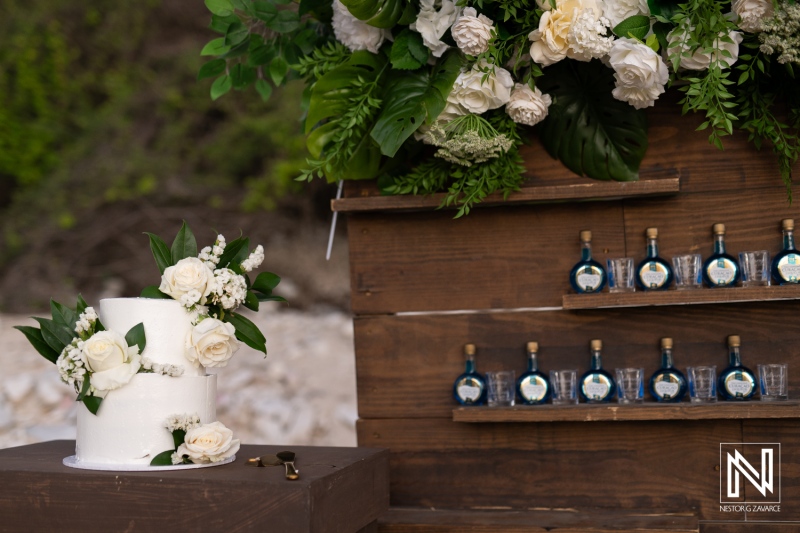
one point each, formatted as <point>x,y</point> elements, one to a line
<point>412,520</point>
<point>749,527</point>
<point>494,258</point>
<point>627,465</point>
<point>406,365</point>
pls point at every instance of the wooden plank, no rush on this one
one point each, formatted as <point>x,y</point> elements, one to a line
<point>413,520</point>
<point>406,365</point>
<point>619,413</point>
<point>39,493</point>
<point>669,465</point>
<point>593,190</point>
<point>683,297</point>
<point>757,526</point>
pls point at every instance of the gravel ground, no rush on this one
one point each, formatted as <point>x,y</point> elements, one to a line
<point>303,393</point>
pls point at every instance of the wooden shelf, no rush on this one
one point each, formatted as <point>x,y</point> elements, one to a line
<point>595,190</point>
<point>621,413</point>
<point>685,297</point>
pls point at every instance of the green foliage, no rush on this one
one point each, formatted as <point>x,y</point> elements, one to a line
<point>378,13</point>
<point>136,337</point>
<point>184,245</point>
<point>322,60</point>
<point>635,27</point>
<point>408,51</point>
<point>247,332</point>
<point>589,130</point>
<point>163,459</point>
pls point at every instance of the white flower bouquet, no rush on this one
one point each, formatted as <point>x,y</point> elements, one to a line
<point>388,80</point>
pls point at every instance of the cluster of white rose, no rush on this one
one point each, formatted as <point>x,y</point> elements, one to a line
<point>86,321</point>
<point>164,369</point>
<point>230,289</point>
<point>207,443</point>
<point>210,254</point>
<point>70,364</point>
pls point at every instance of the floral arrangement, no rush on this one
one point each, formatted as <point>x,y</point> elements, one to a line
<point>89,358</point>
<point>196,443</point>
<point>438,95</point>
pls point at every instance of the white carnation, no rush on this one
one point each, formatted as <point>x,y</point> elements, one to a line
<point>587,37</point>
<point>477,96</point>
<point>551,41</point>
<point>618,10</point>
<point>528,106</point>
<point>639,72</point>
<point>472,32</point>
<point>700,59</point>
<point>353,33</point>
<point>751,13</point>
<point>432,23</point>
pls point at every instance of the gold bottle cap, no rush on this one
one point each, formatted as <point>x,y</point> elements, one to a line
<point>734,341</point>
<point>666,343</point>
<point>469,349</point>
<point>652,233</point>
<point>788,224</point>
<point>586,236</point>
<point>596,344</point>
<point>719,229</point>
<point>533,346</point>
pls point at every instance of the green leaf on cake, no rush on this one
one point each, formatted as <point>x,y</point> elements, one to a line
<point>161,252</point>
<point>163,459</point>
<point>55,335</point>
<point>98,326</point>
<point>636,26</point>
<point>34,336</point>
<point>265,282</point>
<point>234,249</point>
<point>247,332</point>
<point>151,291</point>
<point>85,385</point>
<point>589,130</point>
<point>178,437</point>
<point>184,244</point>
<point>92,403</point>
<point>251,301</point>
<point>136,336</point>
<point>82,305</point>
<point>63,315</point>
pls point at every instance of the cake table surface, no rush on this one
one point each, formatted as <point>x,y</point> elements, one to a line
<point>341,490</point>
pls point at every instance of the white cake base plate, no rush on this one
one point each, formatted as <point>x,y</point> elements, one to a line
<point>72,462</point>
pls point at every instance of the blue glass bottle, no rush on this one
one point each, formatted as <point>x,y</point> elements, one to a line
<point>654,273</point>
<point>533,387</point>
<point>720,269</point>
<point>587,275</point>
<point>668,384</point>
<point>786,265</point>
<point>736,382</point>
<point>470,387</point>
<point>597,385</point>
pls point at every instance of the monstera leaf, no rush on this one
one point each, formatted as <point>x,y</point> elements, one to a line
<point>378,13</point>
<point>589,130</point>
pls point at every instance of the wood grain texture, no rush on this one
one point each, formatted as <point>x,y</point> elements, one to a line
<point>683,297</point>
<point>626,465</point>
<point>38,493</point>
<point>620,413</point>
<point>749,527</point>
<point>406,365</point>
<point>411,520</point>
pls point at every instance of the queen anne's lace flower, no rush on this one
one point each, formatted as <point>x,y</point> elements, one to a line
<point>528,106</point>
<point>587,36</point>
<point>432,23</point>
<point>353,33</point>
<point>472,32</point>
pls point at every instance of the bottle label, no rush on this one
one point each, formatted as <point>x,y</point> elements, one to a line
<point>666,389</point>
<point>533,389</point>
<point>789,267</point>
<point>721,271</point>
<point>653,278</point>
<point>469,393</point>
<point>736,386</point>
<point>594,390</point>
<point>588,282</point>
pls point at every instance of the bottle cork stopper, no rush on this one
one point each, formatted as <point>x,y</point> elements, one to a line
<point>719,229</point>
<point>734,341</point>
<point>666,343</point>
<point>651,233</point>
<point>533,346</point>
<point>596,344</point>
<point>469,349</point>
<point>586,236</point>
<point>788,224</point>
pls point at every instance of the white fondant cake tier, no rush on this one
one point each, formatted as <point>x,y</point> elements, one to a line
<point>129,426</point>
<point>166,327</point>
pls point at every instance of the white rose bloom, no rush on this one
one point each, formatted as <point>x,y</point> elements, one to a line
<point>618,10</point>
<point>432,24</point>
<point>111,360</point>
<point>208,443</point>
<point>353,33</point>
<point>211,343</point>
<point>472,32</point>
<point>700,60</point>
<point>475,96</point>
<point>544,5</point>
<point>752,12</point>
<point>551,40</point>
<point>189,274</point>
<point>639,72</point>
<point>528,106</point>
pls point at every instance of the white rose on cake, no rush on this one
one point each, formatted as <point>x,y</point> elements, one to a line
<point>209,443</point>
<point>477,96</point>
<point>211,343</point>
<point>189,279</point>
<point>528,106</point>
<point>472,32</point>
<point>113,363</point>
<point>639,72</point>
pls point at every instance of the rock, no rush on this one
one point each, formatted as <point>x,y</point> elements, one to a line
<point>17,387</point>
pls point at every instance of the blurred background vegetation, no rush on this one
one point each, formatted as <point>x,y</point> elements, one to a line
<point>105,132</point>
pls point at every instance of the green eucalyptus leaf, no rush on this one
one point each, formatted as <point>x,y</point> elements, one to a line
<point>223,8</point>
<point>284,21</point>
<point>217,47</point>
<point>163,459</point>
<point>636,26</point>
<point>265,282</point>
<point>261,55</point>
<point>411,99</point>
<point>135,336</point>
<point>236,34</point>
<point>221,24</point>
<point>264,89</point>
<point>247,332</point>
<point>215,67</point>
<point>589,130</point>
<point>242,76</point>
<point>306,40</point>
<point>278,68</point>
<point>34,336</point>
<point>408,51</point>
<point>664,8</point>
<point>322,10</point>
<point>55,335</point>
<point>161,252</point>
<point>184,245</point>
<point>63,315</point>
<point>92,403</point>
<point>152,291</point>
<point>377,13</point>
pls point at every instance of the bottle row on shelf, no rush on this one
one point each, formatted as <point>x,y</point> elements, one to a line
<point>718,270</point>
<point>596,385</point>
